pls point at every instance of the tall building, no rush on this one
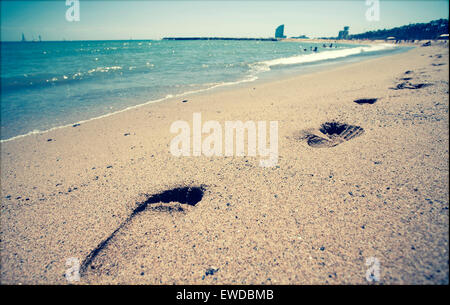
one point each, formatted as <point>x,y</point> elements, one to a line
<point>279,32</point>
<point>344,33</point>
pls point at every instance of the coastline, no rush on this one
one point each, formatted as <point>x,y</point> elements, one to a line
<point>367,41</point>
<point>314,219</point>
<point>256,76</point>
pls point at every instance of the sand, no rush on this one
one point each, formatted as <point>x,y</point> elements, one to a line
<point>315,218</point>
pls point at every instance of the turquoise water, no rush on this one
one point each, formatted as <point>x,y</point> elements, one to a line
<point>49,84</point>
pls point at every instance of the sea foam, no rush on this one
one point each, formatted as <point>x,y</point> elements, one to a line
<point>325,55</point>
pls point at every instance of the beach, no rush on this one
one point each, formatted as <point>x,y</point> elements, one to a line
<point>317,217</point>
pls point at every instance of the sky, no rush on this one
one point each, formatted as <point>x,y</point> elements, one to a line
<point>116,19</point>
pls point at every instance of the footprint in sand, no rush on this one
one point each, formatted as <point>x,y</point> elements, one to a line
<point>181,195</point>
<point>330,134</point>
<point>365,101</point>
<point>406,84</point>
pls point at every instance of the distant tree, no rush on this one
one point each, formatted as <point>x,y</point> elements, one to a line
<point>419,31</point>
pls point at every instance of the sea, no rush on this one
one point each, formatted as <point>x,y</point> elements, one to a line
<point>48,85</point>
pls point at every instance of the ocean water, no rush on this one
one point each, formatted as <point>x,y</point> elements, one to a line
<point>46,85</point>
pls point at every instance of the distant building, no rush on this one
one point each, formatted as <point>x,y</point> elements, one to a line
<point>344,33</point>
<point>279,32</point>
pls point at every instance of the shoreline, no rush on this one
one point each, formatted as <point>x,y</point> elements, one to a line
<point>168,97</point>
<point>313,219</point>
<point>236,83</point>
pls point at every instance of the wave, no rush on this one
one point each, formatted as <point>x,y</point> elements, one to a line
<point>314,57</point>
<point>40,80</point>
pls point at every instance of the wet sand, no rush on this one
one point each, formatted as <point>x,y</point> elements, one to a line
<point>378,189</point>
